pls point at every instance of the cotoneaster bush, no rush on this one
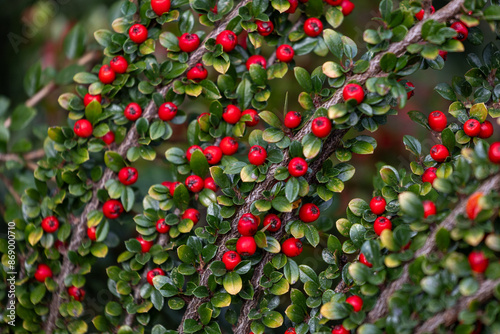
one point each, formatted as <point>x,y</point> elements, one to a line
<point>221,241</point>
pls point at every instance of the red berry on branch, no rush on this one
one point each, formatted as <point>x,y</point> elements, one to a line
<point>293,119</point>
<point>273,221</point>
<point>231,114</point>
<point>420,15</point>
<point>473,208</point>
<point>128,175</point>
<point>213,154</point>
<point>309,212</point>
<point>197,73</point>
<point>429,175</point>
<point>248,224</point>
<point>173,186</point>
<point>254,117</point>
<point>353,91</point>
<point>256,59</point>
<point>377,205</point>
<point>364,261</point>
<point>77,293</point>
<point>132,111</point>
<point>246,246</point>
<point>145,245</point>
<point>108,138</point>
<point>321,127</point>
<point>472,128</point>
<point>257,155</point>
<point>83,128</point>
<point>356,302</point>
<point>138,33</point>
<point>119,64</point>
<point>293,6</point>
<point>486,130</point>
<point>264,28</point>
<point>194,183</point>
<point>89,98</point>
<point>381,224</point>
<point>189,42</point>
<point>231,259</point>
<point>443,54</point>
<point>191,150</point>
<point>106,74</point>
<point>494,153</point>
<point>437,121</point>
<point>50,224</point>
<point>410,86</point>
<point>461,29</point>
<point>160,7</point>
<point>429,208</point>
<point>167,111</point>
<point>290,330</point>
<point>161,226</point>
<point>333,2</point>
<point>91,233</point>
<point>153,273</point>
<point>478,262</point>
<point>285,53</point>
<point>347,7</point>
<point>192,214</point>
<point>210,184</point>
<point>227,39</point>
<point>439,153</point>
<point>42,272</point>
<point>313,27</point>
<point>297,167</point>
<point>229,145</point>
<point>292,247</point>
<point>112,209</point>
<point>339,329</point>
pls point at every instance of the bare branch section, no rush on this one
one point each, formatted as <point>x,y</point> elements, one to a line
<point>450,316</point>
<point>380,309</point>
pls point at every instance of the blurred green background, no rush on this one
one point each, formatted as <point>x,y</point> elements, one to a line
<point>33,31</point>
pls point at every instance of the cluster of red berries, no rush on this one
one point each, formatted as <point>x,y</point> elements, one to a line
<point>459,27</point>
<point>346,6</point>
<point>232,115</point>
<point>107,73</point>
<point>474,128</point>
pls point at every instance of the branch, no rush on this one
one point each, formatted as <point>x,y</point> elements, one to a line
<point>10,188</point>
<point>380,309</point>
<point>449,316</point>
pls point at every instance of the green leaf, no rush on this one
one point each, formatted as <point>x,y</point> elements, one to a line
<point>74,43</point>
<point>37,294</point>
<point>388,62</point>
<point>412,145</point>
<point>92,111</point>
<point>232,283</point>
<point>32,79</point>
<point>479,112</point>
<point>272,319</point>
<point>281,204</point>
<point>385,8</point>
<point>389,175</point>
<point>244,92</point>
<point>303,78</point>
<point>446,91</point>
<point>186,254</point>
<point>411,205</point>
<point>271,119</point>
<point>292,189</point>
<point>114,161</point>
<point>181,197</point>
<point>199,163</point>
<point>333,42</point>
<point>99,250</point>
<point>311,146</point>
<point>448,139</point>
<point>21,117</point>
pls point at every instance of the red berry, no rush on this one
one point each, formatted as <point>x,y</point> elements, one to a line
<point>347,7</point>
<point>356,302</point>
<point>242,39</point>
<point>167,111</point>
<point>160,7</point>
<point>89,98</point>
<point>108,138</point>
<point>486,130</point>
<point>59,245</point>
<point>411,87</point>
<point>292,247</point>
<point>231,259</point>
<point>166,184</point>
<point>273,221</point>
<point>290,330</point>
<point>91,233</point>
<point>264,28</point>
<point>227,39</point>
<point>377,205</point>
<point>106,74</point>
<point>210,184</point>
<point>478,262</point>
<point>364,261</point>
<point>77,293</point>
<point>172,187</point>
<point>145,245</point>
<point>246,246</point>
<point>339,329</point>
<point>494,153</point>
<point>138,33</point>
<point>321,127</point>
<point>293,119</point>
<point>253,114</point>
<point>119,64</point>
<point>257,155</point>
<point>229,145</point>
<point>285,53</point>
<point>293,6</point>
<point>50,224</point>
<point>380,224</point>
<point>472,128</point>
<point>197,73</point>
<point>42,272</point>
<point>313,27</point>
<point>297,167</point>
<point>192,214</point>
<point>231,114</point>
<point>420,15</point>
<point>189,42</point>
<point>194,183</point>
<point>132,111</point>
<point>161,226</point>
<point>437,121</point>
<point>461,29</point>
<point>153,273</point>
<point>309,213</point>
<point>256,59</point>
<point>191,150</point>
<point>112,208</point>
<point>128,175</point>
<point>83,128</point>
<point>429,208</point>
<point>334,2</point>
<point>353,91</point>
<point>248,224</point>
<point>213,154</point>
<point>473,208</point>
<point>429,175</point>
<point>443,54</point>
<point>439,153</point>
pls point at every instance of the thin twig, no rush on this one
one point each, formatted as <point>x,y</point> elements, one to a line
<point>10,188</point>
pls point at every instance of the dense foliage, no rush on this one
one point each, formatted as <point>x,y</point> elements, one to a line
<point>221,239</point>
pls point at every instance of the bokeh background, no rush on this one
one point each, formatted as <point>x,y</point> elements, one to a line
<point>33,32</point>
